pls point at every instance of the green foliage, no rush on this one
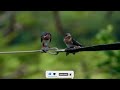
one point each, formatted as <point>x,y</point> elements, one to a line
<point>26,18</point>
<point>110,65</point>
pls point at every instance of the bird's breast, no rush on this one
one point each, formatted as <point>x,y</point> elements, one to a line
<point>70,45</point>
<point>46,42</point>
<point>67,41</point>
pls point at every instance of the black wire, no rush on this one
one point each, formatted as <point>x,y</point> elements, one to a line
<point>103,47</point>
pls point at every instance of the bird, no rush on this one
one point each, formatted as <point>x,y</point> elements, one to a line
<point>71,43</point>
<point>46,40</point>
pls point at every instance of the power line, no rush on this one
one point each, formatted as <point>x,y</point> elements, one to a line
<point>55,51</point>
<point>15,52</point>
<point>50,51</point>
<point>102,47</point>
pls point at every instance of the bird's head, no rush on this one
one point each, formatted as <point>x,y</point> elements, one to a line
<point>46,35</point>
<point>68,36</point>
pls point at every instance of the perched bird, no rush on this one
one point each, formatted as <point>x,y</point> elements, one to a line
<point>45,40</point>
<point>71,43</point>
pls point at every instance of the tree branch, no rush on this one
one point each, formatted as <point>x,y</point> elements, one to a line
<point>12,22</point>
<point>58,22</point>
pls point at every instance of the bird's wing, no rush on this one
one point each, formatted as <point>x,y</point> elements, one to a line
<point>41,38</point>
<point>76,43</point>
<point>50,37</point>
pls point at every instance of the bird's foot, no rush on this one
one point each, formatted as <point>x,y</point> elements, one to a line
<point>77,47</point>
<point>69,48</point>
<point>45,50</point>
<point>73,53</point>
<point>67,54</point>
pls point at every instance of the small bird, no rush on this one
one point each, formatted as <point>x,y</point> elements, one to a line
<point>45,40</point>
<point>71,43</point>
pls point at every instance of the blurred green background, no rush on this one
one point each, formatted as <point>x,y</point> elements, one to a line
<point>21,30</point>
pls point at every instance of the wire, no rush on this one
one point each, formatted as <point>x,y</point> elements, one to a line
<point>15,52</point>
<point>55,51</point>
<point>102,47</point>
